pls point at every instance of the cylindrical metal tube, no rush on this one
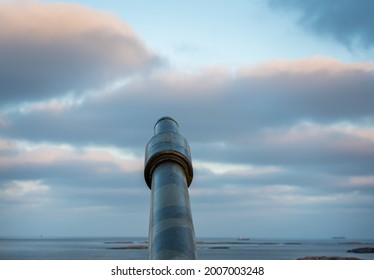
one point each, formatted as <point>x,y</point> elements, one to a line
<point>168,173</point>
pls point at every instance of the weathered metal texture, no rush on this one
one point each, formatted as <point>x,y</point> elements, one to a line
<point>167,145</point>
<point>168,173</point>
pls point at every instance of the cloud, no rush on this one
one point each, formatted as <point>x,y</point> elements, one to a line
<point>23,195</point>
<point>279,139</point>
<point>308,66</point>
<point>48,50</point>
<point>302,127</point>
<point>318,89</point>
<point>309,115</point>
<point>348,22</point>
<point>22,188</point>
<point>227,109</point>
<point>67,166</point>
<point>364,181</point>
<point>235,169</point>
<point>43,181</point>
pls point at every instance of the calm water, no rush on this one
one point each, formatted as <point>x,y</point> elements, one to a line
<point>100,248</point>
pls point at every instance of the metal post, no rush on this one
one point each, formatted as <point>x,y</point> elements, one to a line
<point>168,173</point>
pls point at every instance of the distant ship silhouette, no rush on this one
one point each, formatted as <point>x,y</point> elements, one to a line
<point>243,238</point>
<point>338,237</point>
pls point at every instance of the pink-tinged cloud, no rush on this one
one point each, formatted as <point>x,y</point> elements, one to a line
<point>307,66</point>
<point>99,160</point>
<point>47,50</point>
<point>311,132</point>
<point>360,181</point>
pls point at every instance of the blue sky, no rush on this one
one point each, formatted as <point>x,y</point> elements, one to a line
<point>194,34</point>
<point>274,97</point>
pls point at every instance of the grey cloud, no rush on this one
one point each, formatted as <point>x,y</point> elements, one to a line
<point>319,96</point>
<point>294,121</point>
<point>266,203</point>
<point>41,189</point>
<point>349,22</point>
<point>254,118</point>
<point>46,53</point>
<point>70,186</point>
<point>309,120</point>
<point>236,107</point>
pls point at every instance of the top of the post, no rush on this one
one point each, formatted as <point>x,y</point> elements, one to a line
<point>167,145</point>
<point>166,124</point>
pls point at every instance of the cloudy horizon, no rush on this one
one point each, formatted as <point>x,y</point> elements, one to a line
<point>275,99</point>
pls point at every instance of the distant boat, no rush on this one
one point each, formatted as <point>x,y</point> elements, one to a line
<point>338,237</point>
<point>243,238</point>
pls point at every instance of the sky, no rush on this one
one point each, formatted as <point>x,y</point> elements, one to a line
<point>274,97</point>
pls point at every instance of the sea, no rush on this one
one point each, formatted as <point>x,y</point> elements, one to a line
<point>135,248</point>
